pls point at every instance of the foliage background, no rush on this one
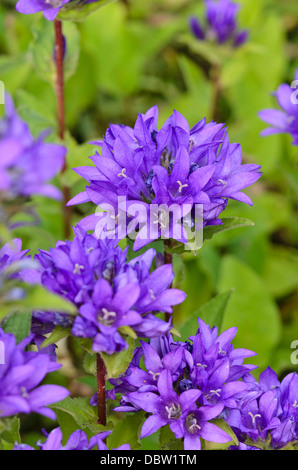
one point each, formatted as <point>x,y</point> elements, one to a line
<point>133,54</point>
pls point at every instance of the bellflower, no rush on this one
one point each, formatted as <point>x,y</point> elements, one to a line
<point>50,8</point>
<point>78,440</point>
<point>220,24</point>
<point>269,418</point>
<point>175,165</point>
<point>286,119</point>
<point>185,384</point>
<point>27,164</point>
<point>109,291</point>
<point>21,374</point>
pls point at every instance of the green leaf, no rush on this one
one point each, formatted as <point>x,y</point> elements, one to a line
<point>212,313</point>
<point>19,324</point>
<point>117,364</point>
<point>42,50</point>
<point>37,298</point>
<point>228,223</point>
<point>127,431</point>
<point>90,363</point>
<point>251,310</point>
<point>10,430</point>
<point>79,12</point>
<point>82,412</point>
<point>57,334</point>
<point>168,441</point>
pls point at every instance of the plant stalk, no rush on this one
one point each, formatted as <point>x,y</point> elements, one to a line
<point>59,56</point>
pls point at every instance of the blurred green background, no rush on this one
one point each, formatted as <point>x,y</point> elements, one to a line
<point>133,54</point>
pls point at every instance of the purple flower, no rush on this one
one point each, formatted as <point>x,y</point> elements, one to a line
<point>50,8</point>
<point>186,384</point>
<point>269,411</point>
<point>109,291</point>
<point>154,169</point>
<point>220,24</point>
<point>21,373</point>
<point>286,120</point>
<point>27,164</point>
<point>78,440</point>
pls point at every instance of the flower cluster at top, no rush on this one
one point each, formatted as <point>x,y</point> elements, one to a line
<point>27,164</point>
<point>187,385</point>
<point>50,8</point>
<point>220,24</point>
<point>111,293</point>
<point>21,373</point>
<point>78,440</point>
<point>174,165</point>
<point>285,121</point>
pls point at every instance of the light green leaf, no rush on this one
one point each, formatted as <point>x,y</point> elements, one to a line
<point>19,324</point>
<point>10,430</point>
<point>117,364</point>
<point>59,333</point>
<point>251,310</point>
<point>127,431</point>
<point>82,412</point>
<point>228,223</point>
<point>79,12</point>
<point>212,313</point>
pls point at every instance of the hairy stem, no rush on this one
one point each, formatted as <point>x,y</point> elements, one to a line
<point>59,56</point>
<point>101,391</point>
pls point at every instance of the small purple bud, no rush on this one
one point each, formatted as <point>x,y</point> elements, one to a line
<point>196,28</point>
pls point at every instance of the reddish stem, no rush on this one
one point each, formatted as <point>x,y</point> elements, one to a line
<point>168,259</point>
<point>101,391</point>
<point>59,56</point>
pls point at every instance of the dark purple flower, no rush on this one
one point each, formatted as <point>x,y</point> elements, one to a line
<point>147,171</point>
<point>21,373</point>
<point>220,24</point>
<point>286,120</point>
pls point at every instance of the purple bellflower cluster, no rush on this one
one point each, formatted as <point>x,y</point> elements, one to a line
<point>21,373</point>
<point>220,25</point>
<point>286,119</point>
<point>111,293</point>
<point>78,440</point>
<point>173,165</point>
<point>26,163</point>
<point>268,419</point>
<point>50,8</point>
<point>186,385</point>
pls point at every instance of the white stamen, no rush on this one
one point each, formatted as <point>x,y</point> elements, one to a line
<point>78,268</point>
<point>223,182</point>
<point>155,375</point>
<point>181,186</point>
<point>122,173</point>
<point>253,417</point>
<point>216,392</point>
